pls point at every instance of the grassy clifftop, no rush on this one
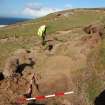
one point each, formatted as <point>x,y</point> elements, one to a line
<point>79,59</point>
<point>25,34</point>
<point>56,22</point>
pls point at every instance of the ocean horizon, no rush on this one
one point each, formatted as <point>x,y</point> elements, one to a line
<point>8,20</point>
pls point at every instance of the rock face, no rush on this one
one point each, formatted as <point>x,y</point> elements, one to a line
<point>18,62</point>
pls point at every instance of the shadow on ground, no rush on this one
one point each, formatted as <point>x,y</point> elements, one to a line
<point>21,67</point>
<point>100,100</point>
<point>35,104</point>
<point>1,76</point>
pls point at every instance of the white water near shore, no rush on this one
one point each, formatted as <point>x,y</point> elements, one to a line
<point>3,25</point>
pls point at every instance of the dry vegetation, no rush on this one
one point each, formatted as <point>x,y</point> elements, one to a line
<point>76,62</point>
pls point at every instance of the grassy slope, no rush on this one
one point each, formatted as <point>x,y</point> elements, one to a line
<point>78,19</point>
<point>27,30</point>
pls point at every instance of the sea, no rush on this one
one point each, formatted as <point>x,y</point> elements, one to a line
<point>4,21</point>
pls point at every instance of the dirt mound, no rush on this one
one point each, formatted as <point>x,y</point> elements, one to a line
<point>18,62</point>
<point>14,87</point>
<point>50,82</point>
<point>18,72</point>
<point>91,40</point>
<point>91,29</point>
<point>96,35</point>
<point>64,70</point>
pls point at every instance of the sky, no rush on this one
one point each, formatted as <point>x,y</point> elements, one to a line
<point>38,8</point>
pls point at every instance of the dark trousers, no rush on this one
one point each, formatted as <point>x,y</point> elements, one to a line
<point>43,39</point>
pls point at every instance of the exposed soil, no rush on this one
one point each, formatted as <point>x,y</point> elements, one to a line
<point>57,70</point>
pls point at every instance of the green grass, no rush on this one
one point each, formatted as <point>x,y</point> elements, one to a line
<point>79,19</point>
<point>6,49</point>
<point>27,31</point>
<point>96,67</point>
<point>102,55</point>
<point>94,87</point>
